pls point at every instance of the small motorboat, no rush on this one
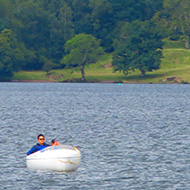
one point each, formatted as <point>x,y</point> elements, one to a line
<point>62,158</point>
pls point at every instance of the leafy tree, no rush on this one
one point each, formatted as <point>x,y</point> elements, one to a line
<point>138,48</point>
<point>128,10</point>
<point>81,15</point>
<point>10,54</point>
<point>81,50</point>
<point>61,30</point>
<point>160,19</point>
<point>179,11</point>
<point>151,7</point>
<point>5,13</point>
<point>48,66</point>
<point>32,27</point>
<point>41,28</point>
<point>101,19</point>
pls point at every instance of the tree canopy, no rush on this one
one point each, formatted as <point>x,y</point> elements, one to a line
<point>138,47</point>
<point>10,54</point>
<point>81,50</point>
<point>42,28</point>
<point>179,11</point>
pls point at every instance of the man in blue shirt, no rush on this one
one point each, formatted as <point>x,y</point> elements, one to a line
<point>39,146</point>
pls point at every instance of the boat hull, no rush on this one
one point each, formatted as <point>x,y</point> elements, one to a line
<point>58,158</point>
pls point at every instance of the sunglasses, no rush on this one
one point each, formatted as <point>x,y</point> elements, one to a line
<point>41,139</point>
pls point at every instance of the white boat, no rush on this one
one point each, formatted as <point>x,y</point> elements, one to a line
<point>60,158</point>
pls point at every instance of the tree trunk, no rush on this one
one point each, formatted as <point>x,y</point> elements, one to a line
<point>82,72</point>
<point>187,42</point>
<point>143,72</point>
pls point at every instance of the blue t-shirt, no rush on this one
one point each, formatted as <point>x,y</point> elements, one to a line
<point>37,147</point>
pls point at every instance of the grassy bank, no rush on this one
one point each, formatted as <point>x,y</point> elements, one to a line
<point>175,68</point>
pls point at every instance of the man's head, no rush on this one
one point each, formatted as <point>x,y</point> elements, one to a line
<point>54,143</point>
<point>41,139</point>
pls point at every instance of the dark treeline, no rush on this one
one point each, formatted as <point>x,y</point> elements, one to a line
<point>34,32</point>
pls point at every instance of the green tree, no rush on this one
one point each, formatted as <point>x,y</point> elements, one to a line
<point>101,20</point>
<point>61,30</point>
<point>31,25</point>
<point>151,7</point>
<point>5,14</point>
<point>80,13</point>
<point>179,11</point>
<point>138,47</point>
<point>48,66</point>
<point>128,10</point>
<point>81,50</point>
<point>10,54</point>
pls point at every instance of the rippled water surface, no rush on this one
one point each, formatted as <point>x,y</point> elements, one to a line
<point>131,136</point>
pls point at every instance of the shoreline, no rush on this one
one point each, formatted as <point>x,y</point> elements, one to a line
<point>104,82</point>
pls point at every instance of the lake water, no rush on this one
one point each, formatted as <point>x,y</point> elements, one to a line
<point>131,136</point>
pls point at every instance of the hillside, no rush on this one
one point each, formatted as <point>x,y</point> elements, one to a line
<point>175,68</point>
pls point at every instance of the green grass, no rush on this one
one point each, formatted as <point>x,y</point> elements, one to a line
<point>173,44</point>
<point>29,75</point>
<point>175,63</point>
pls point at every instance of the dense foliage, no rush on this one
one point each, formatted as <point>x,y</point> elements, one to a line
<point>138,50</point>
<point>81,50</point>
<point>39,29</point>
